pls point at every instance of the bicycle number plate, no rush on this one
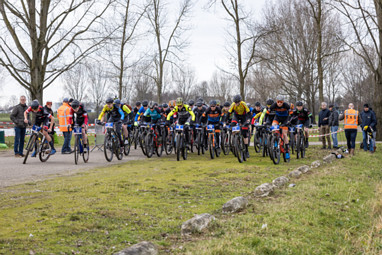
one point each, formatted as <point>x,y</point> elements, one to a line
<point>210,127</point>
<point>275,127</point>
<point>77,130</point>
<point>36,128</point>
<point>299,126</point>
<point>171,129</point>
<point>109,125</point>
<point>292,129</point>
<point>179,127</point>
<point>257,124</point>
<point>236,129</point>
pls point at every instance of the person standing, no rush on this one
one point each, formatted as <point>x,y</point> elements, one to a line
<point>63,114</point>
<point>17,117</point>
<point>351,122</point>
<point>333,124</point>
<point>323,125</point>
<point>369,121</point>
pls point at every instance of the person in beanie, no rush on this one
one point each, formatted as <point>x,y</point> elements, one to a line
<point>368,120</point>
<point>333,124</point>
<point>351,122</point>
<point>17,117</point>
<point>323,125</point>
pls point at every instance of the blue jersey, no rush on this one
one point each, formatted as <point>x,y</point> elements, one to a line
<point>139,113</point>
<point>155,115</point>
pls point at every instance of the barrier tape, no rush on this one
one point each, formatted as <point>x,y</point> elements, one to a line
<point>328,134</point>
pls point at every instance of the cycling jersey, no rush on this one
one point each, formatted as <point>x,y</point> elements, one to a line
<point>42,116</point>
<point>183,114</point>
<point>213,116</point>
<point>240,109</point>
<point>154,114</point>
<point>115,112</point>
<point>80,117</point>
<point>282,111</point>
<point>140,113</point>
<point>301,117</point>
<point>199,114</point>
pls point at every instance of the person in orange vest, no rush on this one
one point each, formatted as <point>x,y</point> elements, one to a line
<point>351,122</point>
<point>63,114</point>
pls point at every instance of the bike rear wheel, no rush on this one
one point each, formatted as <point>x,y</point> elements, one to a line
<point>159,146</point>
<point>76,151</point>
<point>211,146</point>
<point>85,153</point>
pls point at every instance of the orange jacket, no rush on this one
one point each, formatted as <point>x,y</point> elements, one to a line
<point>351,119</point>
<point>63,115</point>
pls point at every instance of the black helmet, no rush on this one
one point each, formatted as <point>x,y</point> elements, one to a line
<point>71,100</point>
<point>199,103</point>
<point>226,104</point>
<point>35,104</point>
<point>138,103</point>
<point>191,102</point>
<point>117,101</point>
<point>237,99</point>
<point>299,103</point>
<point>165,105</point>
<point>109,100</point>
<point>145,103</point>
<point>257,104</point>
<point>270,101</point>
<point>75,104</point>
<point>213,103</point>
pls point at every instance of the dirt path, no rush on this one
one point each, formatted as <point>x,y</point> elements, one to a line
<point>13,171</point>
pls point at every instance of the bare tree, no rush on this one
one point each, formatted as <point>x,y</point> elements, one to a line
<point>220,86</point>
<point>170,40</point>
<point>99,83</point>
<point>75,82</point>
<point>184,81</point>
<point>245,36</point>
<point>41,40</point>
<point>365,22</point>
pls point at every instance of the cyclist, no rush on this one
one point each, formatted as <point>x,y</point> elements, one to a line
<point>212,116</point>
<point>301,115</point>
<point>226,117</point>
<point>241,114</point>
<point>116,115</point>
<point>185,116</point>
<point>267,114</point>
<point>79,116</point>
<point>129,118</point>
<point>191,104</point>
<point>48,108</point>
<point>42,118</point>
<point>198,111</point>
<point>153,112</point>
<point>137,107</point>
<point>140,113</point>
<point>171,107</point>
<point>282,111</point>
<point>256,113</point>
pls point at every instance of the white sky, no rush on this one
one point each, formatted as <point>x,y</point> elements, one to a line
<point>205,52</point>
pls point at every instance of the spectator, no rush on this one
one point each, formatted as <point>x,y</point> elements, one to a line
<point>351,121</point>
<point>63,114</point>
<point>333,124</point>
<point>374,128</point>
<point>17,117</point>
<point>368,120</point>
<point>323,125</point>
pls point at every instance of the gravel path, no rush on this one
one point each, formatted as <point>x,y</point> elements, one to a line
<point>13,171</point>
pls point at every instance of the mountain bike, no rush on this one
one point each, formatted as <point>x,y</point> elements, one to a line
<point>212,143</point>
<point>112,142</point>
<point>238,143</point>
<point>79,148</point>
<point>199,140</point>
<point>180,142</point>
<point>226,139</point>
<point>277,145</point>
<point>154,142</point>
<point>38,142</point>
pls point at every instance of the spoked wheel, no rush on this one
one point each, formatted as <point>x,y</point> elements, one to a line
<point>169,143</point>
<point>178,144</point>
<point>199,142</point>
<point>225,143</point>
<point>142,143</point>
<point>149,142</point>
<point>118,148</point>
<point>159,146</point>
<point>257,142</point>
<point>127,145</point>
<point>184,150</point>
<point>239,153</point>
<point>44,150</point>
<point>275,150</point>
<point>30,146</point>
<point>264,144</point>
<point>108,147</point>
<point>298,146</point>
<point>242,147</point>
<point>86,152</point>
<point>76,149</point>
<point>136,138</point>
<point>192,141</point>
<point>302,145</point>
<point>211,146</point>
<point>284,155</point>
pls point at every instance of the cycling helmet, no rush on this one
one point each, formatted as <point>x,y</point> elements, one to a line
<point>299,103</point>
<point>65,100</point>
<point>227,104</point>
<point>109,100</point>
<point>270,101</point>
<point>75,104</point>
<point>237,99</point>
<point>35,104</point>
<point>145,103</point>
<point>165,105</point>
<point>217,102</point>
<point>257,104</point>
<point>151,104</point>
<point>117,102</point>
<point>213,103</point>
<point>124,101</point>
<point>171,103</point>
<point>179,101</point>
<point>280,98</point>
<point>200,100</point>
<point>191,102</point>
<point>71,100</point>
<point>138,103</point>
<point>199,104</point>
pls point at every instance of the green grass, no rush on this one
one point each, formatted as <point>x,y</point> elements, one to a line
<point>116,206</point>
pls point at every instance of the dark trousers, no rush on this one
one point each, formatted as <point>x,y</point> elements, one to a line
<point>351,135</point>
<point>67,139</point>
<point>19,140</point>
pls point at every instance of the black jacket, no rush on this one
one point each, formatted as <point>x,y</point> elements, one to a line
<point>324,114</point>
<point>333,118</point>
<point>368,119</point>
<point>17,115</point>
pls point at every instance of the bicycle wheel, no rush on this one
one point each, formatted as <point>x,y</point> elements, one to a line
<point>217,151</point>
<point>211,146</point>
<point>264,144</point>
<point>127,145</point>
<point>108,147</point>
<point>159,146</point>
<point>256,142</point>
<point>198,143</point>
<point>117,147</point>
<point>30,146</point>
<point>238,151</point>
<point>225,143</point>
<point>44,150</point>
<point>276,150</point>
<point>142,143</point>
<point>149,142</point>
<point>86,152</point>
<point>184,149</point>
<point>76,151</point>
<point>298,145</point>
<point>192,141</point>
<point>242,147</point>
<point>169,143</point>
<point>136,138</point>
<point>178,141</point>
<point>302,150</point>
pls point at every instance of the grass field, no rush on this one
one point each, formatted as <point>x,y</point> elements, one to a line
<point>333,210</point>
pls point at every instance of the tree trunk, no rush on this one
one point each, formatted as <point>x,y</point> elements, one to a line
<point>378,75</point>
<point>319,54</point>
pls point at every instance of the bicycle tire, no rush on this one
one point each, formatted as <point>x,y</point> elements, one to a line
<point>276,150</point>
<point>108,148</point>
<point>159,146</point>
<point>76,149</point>
<point>30,146</point>
<point>117,147</point>
<point>149,142</point>
<point>211,147</point>
<point>184,148</point>
<point>265,145</point>
<point>44,147</point>
<point>142,143</point>
<point>86,152</point>
<point>178,146</point>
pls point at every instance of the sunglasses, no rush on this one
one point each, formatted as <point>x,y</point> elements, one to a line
<point>280,102</point>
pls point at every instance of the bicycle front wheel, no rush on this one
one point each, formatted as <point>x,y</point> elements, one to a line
<point>108,147</point>
<point>30,146</point>
<point>76,149</point>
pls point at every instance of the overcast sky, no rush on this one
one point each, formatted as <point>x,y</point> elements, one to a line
<point>206,50</point>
